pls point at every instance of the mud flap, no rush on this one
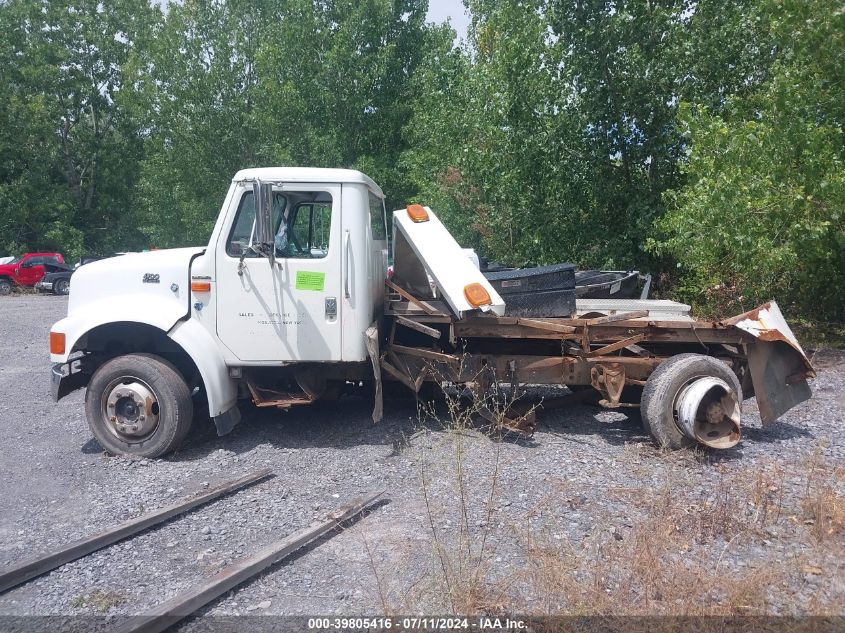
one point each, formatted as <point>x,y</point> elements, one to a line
<point>371,341</point>
<point>225,422</point>
<point>777,372</point>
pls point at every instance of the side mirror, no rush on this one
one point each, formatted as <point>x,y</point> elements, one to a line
<point>264,238</point>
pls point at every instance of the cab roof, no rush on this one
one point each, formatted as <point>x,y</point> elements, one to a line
<point>309,174</point>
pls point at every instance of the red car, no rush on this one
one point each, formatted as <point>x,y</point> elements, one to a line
<point>28,269</point>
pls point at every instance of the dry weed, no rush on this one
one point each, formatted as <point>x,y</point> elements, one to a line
<point>823,502</point>
<point>694,545</point>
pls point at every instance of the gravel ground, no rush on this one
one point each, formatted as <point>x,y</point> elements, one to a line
<point>587,515</point>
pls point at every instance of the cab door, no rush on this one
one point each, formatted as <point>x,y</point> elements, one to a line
<point>30,271</point>
<point>289,311</point>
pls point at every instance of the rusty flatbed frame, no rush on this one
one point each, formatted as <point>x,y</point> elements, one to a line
<point>607,352</point>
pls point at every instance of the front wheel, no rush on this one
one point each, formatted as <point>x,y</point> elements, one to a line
<point>62,287</point>
<point>5,287</point>
<point>138,405</point>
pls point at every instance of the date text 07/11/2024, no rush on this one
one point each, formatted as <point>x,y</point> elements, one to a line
<point>417,623</point>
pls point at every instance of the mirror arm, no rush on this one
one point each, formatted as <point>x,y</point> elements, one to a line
<point>261,251</point>
<point>263,196</point>
<point>248,248</point>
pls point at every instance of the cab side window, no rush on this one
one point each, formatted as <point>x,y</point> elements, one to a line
<point>377,223</point>
<point>309,230</point>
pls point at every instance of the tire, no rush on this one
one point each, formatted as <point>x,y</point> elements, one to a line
<point>158,426</point>
<point>662,387</point>
<point>61,287</point>
<point>5,287</point>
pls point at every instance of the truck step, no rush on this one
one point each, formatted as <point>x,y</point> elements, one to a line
<point>266,397</point>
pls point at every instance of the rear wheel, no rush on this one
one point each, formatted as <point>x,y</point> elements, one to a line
<point>138,405</point>
<point>665,390</point>
<point>5,287</point>
<point>62,287</point>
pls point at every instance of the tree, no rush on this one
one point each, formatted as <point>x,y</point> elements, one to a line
<point>68,155</point>
<point>239,84</point>
<point>493,147</point>
<point>761,215</point>
<point>554,134</point>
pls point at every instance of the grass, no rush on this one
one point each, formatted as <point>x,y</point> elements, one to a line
<point>823,501</point>
<point>462,559</point>
<point>99,600</point>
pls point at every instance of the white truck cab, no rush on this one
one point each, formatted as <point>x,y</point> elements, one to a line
<point>297,283</point>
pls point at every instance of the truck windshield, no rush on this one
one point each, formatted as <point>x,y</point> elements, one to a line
<point>16,260</point>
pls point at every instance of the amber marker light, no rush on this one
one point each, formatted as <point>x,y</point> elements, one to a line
<point>417,213</point>
<point>200,286</point>
<point>57,342</point>
<point>477,295</point>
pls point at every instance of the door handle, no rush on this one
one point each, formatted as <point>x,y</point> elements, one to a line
<point>346,292</point>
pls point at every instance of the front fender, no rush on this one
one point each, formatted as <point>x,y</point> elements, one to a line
<point>158,312</point>
<point>203,349</point>
<point>193,338</point>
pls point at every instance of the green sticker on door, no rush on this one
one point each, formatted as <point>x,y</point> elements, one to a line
<point>307,280</point>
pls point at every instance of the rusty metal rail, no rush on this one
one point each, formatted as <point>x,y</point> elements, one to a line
<point>184,604</point>
<point>42,563</point>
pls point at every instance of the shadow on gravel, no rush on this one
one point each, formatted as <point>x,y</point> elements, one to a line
<point>91,447</point>
<point>346,423</point>
<point>775,432</point>
<point>623,427</point>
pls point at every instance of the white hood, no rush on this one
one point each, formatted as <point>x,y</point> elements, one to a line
<point>165,274</point>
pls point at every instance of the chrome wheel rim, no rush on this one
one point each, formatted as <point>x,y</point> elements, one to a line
<point>130,409</point>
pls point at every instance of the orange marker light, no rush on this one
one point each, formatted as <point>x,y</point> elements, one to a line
<point>417,213</point>
<point>57,342</point>
<point>200,286</point>
<point>477,295</point>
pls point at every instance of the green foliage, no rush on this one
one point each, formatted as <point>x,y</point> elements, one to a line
<point>241,84</point>
<point>763,212</point>
<point>491,147</point>
<point>695,137</point>
<point>553,135</point>
<point>67,151</point>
